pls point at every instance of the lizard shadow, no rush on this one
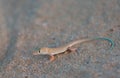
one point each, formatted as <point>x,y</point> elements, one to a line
<point>41,57</point>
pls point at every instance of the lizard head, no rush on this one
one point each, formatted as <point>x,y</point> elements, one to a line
<point>42,51</point>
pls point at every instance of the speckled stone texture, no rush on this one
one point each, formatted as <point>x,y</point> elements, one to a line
<point>27,25</point>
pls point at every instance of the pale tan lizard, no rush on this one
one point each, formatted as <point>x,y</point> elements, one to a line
<point>61,49</point>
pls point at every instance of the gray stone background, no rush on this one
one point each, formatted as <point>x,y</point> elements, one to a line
<point>26,25</point>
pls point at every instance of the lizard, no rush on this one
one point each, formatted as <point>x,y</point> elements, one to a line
<point>57,50</point>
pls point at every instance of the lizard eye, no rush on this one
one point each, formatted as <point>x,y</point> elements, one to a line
<point>39,51</point>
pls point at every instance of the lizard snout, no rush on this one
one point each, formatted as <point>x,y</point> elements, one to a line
<point>35,53</point>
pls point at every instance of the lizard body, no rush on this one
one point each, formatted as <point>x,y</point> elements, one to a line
<point>61,49</point>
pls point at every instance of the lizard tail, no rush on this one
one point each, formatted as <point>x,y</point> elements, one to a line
<point>91,39</point>
<point>107,39</point>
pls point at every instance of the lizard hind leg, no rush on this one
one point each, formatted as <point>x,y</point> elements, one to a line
<point>70,49</point>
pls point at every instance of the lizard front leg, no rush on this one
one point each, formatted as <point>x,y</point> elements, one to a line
<point>52,58</point>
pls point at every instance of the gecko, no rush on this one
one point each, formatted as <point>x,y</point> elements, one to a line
<point>57,50</point>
